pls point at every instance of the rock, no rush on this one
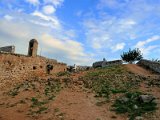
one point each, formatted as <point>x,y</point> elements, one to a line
<point>139,118</point>
<point>135,107</point>
<point>124,99</point>
<point>146,98</point>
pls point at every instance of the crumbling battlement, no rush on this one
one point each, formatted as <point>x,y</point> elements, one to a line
<point>18,66</point>
<point>15,65</point>
<point>106,63</point>
<point>9,49</point>
<point>155,66</point>
<point>33,48</point>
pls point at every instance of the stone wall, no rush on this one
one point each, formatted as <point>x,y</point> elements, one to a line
<point>33,48</point>
<point>155,66</point>
<point>106,63</point>
<point>20,66</point>
<point>9,49</point>
<point>83,68</point>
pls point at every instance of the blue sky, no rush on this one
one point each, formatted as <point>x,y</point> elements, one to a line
<point>82,31</point>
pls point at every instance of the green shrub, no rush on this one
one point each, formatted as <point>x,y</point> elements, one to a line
<point>132,55</point>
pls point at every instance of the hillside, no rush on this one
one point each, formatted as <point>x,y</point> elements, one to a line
<point>89,95</point>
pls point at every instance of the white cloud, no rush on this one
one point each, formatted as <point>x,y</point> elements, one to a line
<point>70,33</point>
<point>48,9</point>
<point>72,51</point>
<point>145,48</point>
<point>113,4</point>
<point>54,2</point>
<point>12,29</point>
<point>105,32</point>
<point>126,23</point>
<point>41,23</point>
<point>33,2</point>
<point>52,19</point>
<point>141,44</point>
<point>119,46</point>
<point>71,47</point>
<point>8,17</point>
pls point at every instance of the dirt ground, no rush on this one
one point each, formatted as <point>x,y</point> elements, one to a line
<point>138,70</point>
<point>74,103</point>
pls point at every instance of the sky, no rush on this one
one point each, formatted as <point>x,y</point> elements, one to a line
<point>82,31</point>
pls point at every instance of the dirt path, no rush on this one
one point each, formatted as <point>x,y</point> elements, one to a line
<point>77,104</point>
<point>138,70</point>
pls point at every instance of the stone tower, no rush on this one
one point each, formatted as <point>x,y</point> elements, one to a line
<point>33,47</point>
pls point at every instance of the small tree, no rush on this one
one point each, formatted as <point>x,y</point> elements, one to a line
<point>132,55</point>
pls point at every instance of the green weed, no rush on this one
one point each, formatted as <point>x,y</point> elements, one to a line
<point>66,73</point>
<point>129,105</point>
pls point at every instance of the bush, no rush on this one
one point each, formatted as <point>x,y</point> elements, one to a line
<point>132,55</point>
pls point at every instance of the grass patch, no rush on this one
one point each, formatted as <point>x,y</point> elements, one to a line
<point>37,103</point>
<point>44,92</point>
<point>115,91</point>
<point>110,80</point>
<point>132,105</point>
<point>66,73</point>
<point>39,111</point>
<point>14,91</point>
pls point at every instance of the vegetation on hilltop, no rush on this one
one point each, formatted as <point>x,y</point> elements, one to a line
<point>116,80</point>
<point>132,55</point>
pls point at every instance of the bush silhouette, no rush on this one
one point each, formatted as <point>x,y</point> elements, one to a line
<point>132,55</point>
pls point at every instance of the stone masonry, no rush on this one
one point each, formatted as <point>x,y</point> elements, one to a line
<point>33,47</point>
<point>16,66</point>
<point>105,63</point>
<point>155,66</point>
<point>8,49</point>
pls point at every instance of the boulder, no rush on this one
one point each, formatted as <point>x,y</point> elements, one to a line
<point>139,118</point>
<point>124,99</point>
<point>146,98</point>
<point>135,107</point>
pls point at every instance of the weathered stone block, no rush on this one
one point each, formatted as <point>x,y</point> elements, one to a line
<point>9,49</point>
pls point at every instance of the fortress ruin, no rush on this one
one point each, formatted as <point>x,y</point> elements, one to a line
<point>14,65</point>
<point>33,47</point>
<point>9,49</point>
<point>105,63</point>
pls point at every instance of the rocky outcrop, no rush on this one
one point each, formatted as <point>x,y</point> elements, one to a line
<point>155,66</point>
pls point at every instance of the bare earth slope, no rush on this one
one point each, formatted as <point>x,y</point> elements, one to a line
<point>138,70</point>
<point>71,103</point>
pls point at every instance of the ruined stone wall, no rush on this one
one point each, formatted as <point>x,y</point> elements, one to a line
<point>20,66</point>
<point>155,66</point>
<point>115,62</point>
<point>83,68</point>
<point>10,49</point>
<point>33,48</point>
<point>97,64</point>
<point>107,63</point>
